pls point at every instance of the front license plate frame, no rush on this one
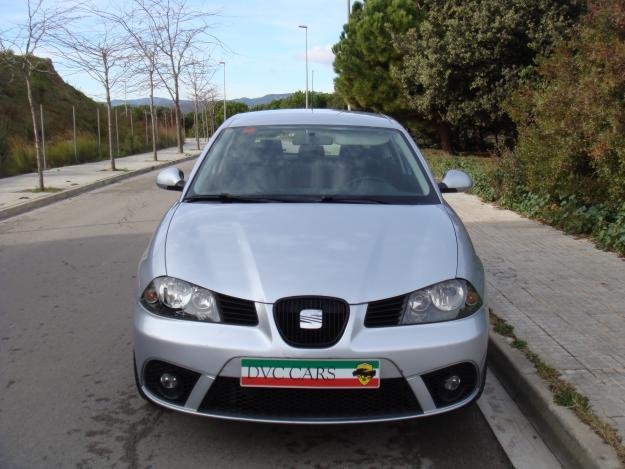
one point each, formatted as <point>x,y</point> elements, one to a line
<point>310,373</point>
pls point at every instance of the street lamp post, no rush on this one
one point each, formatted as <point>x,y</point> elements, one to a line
<point>224,64</point>
<point>306,29</point>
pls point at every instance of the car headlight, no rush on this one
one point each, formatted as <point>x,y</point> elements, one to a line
<point>445,301</point>
<point>172,297</point>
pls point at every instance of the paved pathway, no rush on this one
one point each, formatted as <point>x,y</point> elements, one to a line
<point>563,296</point>
<point>15,191</point>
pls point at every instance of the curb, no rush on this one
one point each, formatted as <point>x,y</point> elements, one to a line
<point>573,443</point>
<point>69,193</point>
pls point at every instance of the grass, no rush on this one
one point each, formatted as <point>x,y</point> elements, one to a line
<point>50,189</point>
<point>564,393</point>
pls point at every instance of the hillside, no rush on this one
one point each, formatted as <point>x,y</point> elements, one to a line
<point>49,89</point>
<point>187,105</point>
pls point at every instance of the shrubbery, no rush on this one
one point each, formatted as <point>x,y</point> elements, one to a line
<point>606,225</point>
<point>60,151</point>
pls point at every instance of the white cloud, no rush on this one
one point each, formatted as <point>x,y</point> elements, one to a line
<point>321,55</point>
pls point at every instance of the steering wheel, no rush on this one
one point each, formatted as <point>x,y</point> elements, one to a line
<point>358,180</point>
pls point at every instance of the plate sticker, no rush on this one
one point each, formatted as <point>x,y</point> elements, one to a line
<point>286,373</point>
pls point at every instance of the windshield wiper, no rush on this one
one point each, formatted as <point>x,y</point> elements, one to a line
<point>234,198</point>
<point>338,199</point>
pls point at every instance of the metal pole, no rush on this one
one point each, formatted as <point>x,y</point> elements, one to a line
<point>312,90</point>
<point>306,29</point>
<point>349,11</point>
<point>132,127</point>
<point>43,138</point>
<point>99,137</point>
<point>74,120</point>
<point>117,131</point>
<point>224,64</point>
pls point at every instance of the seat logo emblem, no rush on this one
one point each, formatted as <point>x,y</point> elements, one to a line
<point>310,319</point>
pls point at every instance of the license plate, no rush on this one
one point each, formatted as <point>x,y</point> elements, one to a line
<point>297,373</point>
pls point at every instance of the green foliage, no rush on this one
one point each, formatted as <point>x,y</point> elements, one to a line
<point>462,61</point>
<point>232,108</point>
<point>572,123</point>
<point>365,54</point>
<point>297,100</point>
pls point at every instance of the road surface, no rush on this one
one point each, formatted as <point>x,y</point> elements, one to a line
<point>67,396</point>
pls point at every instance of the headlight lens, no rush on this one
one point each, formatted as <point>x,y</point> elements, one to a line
<point>445,301</point>
<point>172,297</point>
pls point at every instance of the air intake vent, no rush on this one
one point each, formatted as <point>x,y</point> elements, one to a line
<point>237,311</point>
<point>385,312</point>
<point>297,331</point>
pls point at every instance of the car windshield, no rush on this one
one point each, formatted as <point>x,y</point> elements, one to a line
<point>312,164</point>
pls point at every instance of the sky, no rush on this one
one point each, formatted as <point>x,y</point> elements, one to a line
<point>264,49</point>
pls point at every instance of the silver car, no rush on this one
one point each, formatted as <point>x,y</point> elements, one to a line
<point>310,272</point>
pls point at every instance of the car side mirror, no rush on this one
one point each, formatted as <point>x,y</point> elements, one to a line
<point>455,181</point>
<point>171,179</point>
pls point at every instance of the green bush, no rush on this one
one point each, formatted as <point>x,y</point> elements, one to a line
<point>493,182</point>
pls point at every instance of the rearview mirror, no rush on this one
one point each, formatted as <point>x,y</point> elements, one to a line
<point>171,179</point>
<point>455,181</point>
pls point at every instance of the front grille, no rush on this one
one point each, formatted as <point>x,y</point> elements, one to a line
<point>385,312</point>
<point>393,398</point>
<point>237,311</point>
<point>335,313</point>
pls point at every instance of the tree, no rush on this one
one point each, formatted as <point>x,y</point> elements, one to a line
<point>197,76</point>
<point>365,54</point>
<point>26,40</point>
<point>144,38</point>
<point>465,58</point>
<point>179,32</point>
<point>571,120</point>
<point>102,54</point>
<point>233,107</point>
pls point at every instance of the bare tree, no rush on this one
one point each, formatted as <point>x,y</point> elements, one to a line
<point>144,39</point>
<point>26,40</point>
<point>179,32</point>
<point>101,54</point>
<point>197,75</point>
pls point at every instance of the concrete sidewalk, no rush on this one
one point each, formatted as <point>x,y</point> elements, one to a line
<point>16,194</point>
<point>563,296</point>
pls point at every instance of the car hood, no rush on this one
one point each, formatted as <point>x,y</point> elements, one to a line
<point>264,252</point>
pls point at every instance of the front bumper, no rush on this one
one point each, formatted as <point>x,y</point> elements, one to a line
<point>407,355</point>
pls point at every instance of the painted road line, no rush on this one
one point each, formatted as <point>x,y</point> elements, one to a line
<point>516,435</point>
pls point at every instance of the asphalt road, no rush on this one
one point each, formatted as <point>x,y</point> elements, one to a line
<point>67,396</point>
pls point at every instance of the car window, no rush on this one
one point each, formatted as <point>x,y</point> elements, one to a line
<point>314,161</point>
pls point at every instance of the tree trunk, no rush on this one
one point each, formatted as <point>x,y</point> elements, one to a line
<point>196,124</point>
<point>152,118</point>
<point>444,133</point>
<point>178,112</point>
<point>109,114</point>
<point>33,114</point>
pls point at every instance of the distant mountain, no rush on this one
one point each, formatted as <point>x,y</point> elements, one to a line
<point>187,105</point>
<point>263,99</point>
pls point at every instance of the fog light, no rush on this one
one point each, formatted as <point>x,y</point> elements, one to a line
<point>169,381</point>
<point>452,383</point>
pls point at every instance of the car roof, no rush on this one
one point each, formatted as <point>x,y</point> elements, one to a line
<point>311,117</point>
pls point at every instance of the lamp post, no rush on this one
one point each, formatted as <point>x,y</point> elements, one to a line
<point>306,29</point>
<point>224,64</point>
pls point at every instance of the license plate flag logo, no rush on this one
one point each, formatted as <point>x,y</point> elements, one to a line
<point>284,373</point>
